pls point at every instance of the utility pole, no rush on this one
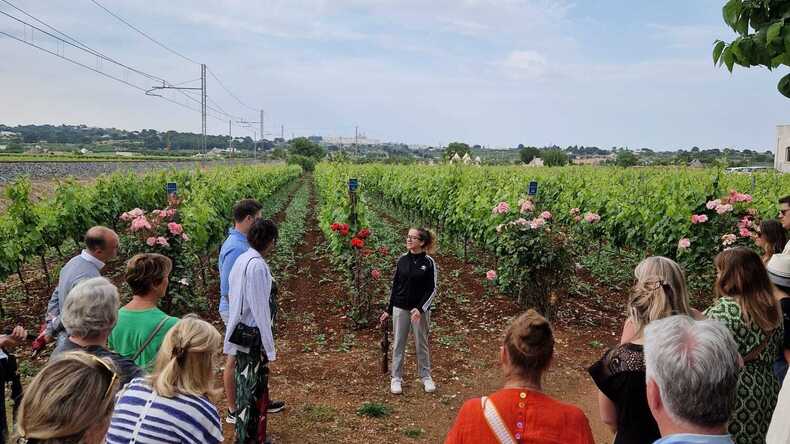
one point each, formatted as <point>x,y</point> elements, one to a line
<point>203,103</point>
<point>356,139</point>
<point>282,132</point>
<point>230,137</point>
<point>261,142</point>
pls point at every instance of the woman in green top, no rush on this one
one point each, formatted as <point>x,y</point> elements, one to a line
<point>142,326</point>
<point>747,307</point>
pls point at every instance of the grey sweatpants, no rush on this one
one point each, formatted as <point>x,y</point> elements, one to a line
<point>402,325</point>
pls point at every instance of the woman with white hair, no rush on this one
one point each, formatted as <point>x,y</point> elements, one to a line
<point>89,315</point>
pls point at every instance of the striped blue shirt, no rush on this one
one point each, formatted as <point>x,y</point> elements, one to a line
<point>141,416</point>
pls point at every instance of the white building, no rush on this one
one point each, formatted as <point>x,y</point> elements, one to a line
<point>346,141</point>
<point>536,162</point>
<point>782,156</point>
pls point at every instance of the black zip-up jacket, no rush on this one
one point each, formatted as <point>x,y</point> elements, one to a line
<point>414,283</point>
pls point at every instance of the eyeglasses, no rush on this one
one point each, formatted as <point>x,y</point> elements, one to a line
<point>109,369</point>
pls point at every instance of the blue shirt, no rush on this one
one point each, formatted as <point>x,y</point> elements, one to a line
<point>233,247</point>
<point>688,438</point>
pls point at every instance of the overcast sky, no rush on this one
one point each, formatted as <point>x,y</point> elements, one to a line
<point>490,72</point>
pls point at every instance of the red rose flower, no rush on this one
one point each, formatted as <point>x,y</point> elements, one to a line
<point>343,230</point>
<point>375,274</point>
<point>384,251</point>
<point>357,243</point>
<point>363,233</point>
<point>335,226</point>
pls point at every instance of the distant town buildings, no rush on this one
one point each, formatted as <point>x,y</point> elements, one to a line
<point>593,159</point>
<point>349,141</point>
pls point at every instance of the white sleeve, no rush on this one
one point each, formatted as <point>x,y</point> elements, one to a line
<point>259,290</point>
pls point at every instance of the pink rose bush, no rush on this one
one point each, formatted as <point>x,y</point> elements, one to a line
<point>155,230</point>
<point>698,218</point>
<point>491,275</point>
<point>501,208</point>
<point>684,243</point>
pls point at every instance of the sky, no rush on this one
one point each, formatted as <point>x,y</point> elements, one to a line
<point>497,73</point>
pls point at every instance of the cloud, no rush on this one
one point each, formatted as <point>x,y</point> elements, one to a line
<point>686,36</point>
<point>525,65</point>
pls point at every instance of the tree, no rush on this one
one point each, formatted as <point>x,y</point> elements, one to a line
<point>302,146</point>
<point>527,153</point>
<point>554,157</point>
<point>459,148</point>
<point>768,45</point>
<point>626,159</point>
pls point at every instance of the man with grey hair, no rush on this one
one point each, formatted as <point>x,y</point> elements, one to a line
<point>692,374</point>
<point>101,245</point>
<point>89,316</point>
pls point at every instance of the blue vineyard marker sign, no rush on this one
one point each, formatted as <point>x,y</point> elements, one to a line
<point>353,184</point>
<point>171,188</point>
<point>533,188</point>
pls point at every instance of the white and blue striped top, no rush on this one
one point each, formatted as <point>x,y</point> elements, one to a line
<point>142,416</point>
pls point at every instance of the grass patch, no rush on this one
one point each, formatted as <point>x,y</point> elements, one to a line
<point>319,412</point>
<point>413,432</point>
<point>374,410</point>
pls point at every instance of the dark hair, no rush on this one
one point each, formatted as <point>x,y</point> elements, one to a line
<point>262,233</point>
<point>529,341</point>
<point>428,239</point>
<point>785,200</point>
<point>244,208</point>
<point>743,277</point>
<point>772,231</point>
<point>145,270</point>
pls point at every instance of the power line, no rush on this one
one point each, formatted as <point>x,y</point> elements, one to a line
<point>229,92</point>
<point>144,34</point>
<point>76,43</point>
<point>132,85</point>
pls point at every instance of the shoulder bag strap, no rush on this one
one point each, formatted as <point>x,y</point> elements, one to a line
<point>150,337</point>
<point>757,351</point>
<point>495,422</point>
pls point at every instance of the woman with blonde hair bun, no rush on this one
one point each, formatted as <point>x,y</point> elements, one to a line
<point>172,404</point>
<point>659,292</point>
<point>69,401</point>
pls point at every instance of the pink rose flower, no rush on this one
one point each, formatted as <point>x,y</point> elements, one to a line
<point>592,218</point>
<point>491,275</point>
<point>162,241</point>
<point>699,218</point>
<point>151,241</point>
<point>184,237</point>
<point>577,218</point>
<point>724,208</point>
<point>175,228</point>
<point>140,223</point>
<point>536,223</point>
<point>126,217</point>
<point>713,204</point>
<point>521,221</point>
<point>744,232</point>
<point>136,213</point>
<point>501,208</point>
<point>728,239</point>
<point>375,274</point>
<point>684,243</point>
<point>545,215</point>
<point>526,205</point>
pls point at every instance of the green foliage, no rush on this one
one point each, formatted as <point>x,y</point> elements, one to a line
<point>307,163</point>
<point>459,148</point>
<point>763,29</point>
<point>554,157</point>
<point>302,146</point>
<point>374,410</point>
<point>527,153</point>
<point>626,158</point>
<point>413,432</point>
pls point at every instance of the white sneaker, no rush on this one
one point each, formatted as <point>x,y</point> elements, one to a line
<point>428,384</point>
<point>395,386</point>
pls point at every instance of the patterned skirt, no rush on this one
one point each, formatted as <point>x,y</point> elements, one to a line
<point>252,395</point>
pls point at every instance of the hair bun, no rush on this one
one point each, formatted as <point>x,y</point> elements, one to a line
<point>530,343</point>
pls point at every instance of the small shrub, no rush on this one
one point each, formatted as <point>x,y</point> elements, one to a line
<point>374,410</point>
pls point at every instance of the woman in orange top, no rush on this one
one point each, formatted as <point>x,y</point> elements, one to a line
<point>521,412</point>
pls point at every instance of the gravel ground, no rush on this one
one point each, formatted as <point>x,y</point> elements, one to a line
<point>9,171</point>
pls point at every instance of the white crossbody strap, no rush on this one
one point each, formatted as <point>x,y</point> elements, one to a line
<point>495,422</point>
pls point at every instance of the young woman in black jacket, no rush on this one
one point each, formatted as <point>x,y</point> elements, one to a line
<point>413,290</point>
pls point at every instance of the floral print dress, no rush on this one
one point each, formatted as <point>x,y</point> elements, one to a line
<point>757,385</point>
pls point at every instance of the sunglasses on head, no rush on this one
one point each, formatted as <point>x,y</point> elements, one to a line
<point>110,370</point>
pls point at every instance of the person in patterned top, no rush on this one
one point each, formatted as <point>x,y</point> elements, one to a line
<point>747,307</point>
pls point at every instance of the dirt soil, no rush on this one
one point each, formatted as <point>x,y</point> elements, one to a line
<point>325,370</point>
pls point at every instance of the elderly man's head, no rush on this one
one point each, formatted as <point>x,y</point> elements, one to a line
<point>91,309</point>
<point>102,243</point>
<point>692,373</point>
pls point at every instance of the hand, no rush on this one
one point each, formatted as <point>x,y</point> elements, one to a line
<point>415,315</point>
<point>18,335</point>
<point>383,318</point>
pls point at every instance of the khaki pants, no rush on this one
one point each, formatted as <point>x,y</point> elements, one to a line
<point>401,326</point>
